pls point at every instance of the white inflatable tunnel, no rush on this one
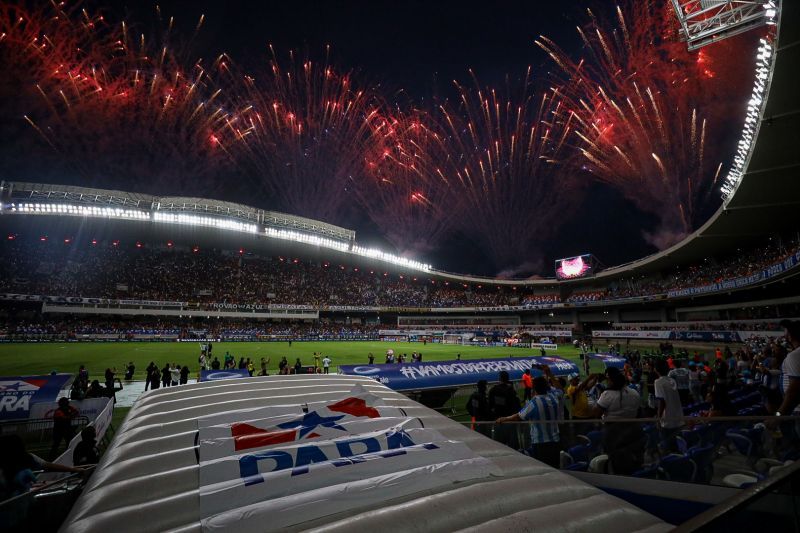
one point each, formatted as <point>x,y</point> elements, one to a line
<point>332,453</point>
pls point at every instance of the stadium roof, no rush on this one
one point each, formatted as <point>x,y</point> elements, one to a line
<point>163,466</point>
<point>766,200</point>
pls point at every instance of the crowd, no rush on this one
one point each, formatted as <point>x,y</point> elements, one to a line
<point>180,328</point>
<point>685,392</point>
<point>190,274</point>
<point>704,325</point>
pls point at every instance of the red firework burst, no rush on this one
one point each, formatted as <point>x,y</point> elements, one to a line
<point>642,104</point>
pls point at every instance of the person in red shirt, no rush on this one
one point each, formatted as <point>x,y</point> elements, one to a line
<point>670,362</point>
<point>718,353</point>
<point>527,383</point>
<point>62,425</point>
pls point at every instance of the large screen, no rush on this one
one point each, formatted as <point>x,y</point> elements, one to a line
<point>574,267</point>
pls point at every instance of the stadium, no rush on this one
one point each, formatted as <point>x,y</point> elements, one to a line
<point>242,330</point>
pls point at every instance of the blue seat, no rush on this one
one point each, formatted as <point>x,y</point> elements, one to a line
<point>703,458</point>
<point>746,441</point>
<point>677,467</point>
<point>580,453</point>
<point>595,440</point>
<point>649,472</point>
<point>580,466</point>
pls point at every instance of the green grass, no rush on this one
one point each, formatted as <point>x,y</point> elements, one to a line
<point>34,358</point>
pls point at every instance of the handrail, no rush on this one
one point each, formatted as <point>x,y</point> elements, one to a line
<point>46,486</point>
<point>695,419</point>
<point>707,518</point>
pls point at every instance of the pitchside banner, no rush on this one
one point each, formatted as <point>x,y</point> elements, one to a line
<point>444,374</point>
<point>19,393</point>
<point>90,408</point>
<point>286,468</point>
<point>608,360</point>
<point>626,334</point>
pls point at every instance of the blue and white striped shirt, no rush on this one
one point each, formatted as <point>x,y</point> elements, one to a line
<point>544,407</point>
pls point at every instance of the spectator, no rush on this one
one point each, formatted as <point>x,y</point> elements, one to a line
<point>148,378</point>
<point>129,370</point>
<point>17,467</point>
<point>791,370</point>
<point>527,383</point>
<point>155,378</point>
<point>165,375</point>
<point>86,452</point>
<point>478,409</point>
<point>63,417</point>
<point>504,402</point>
<point>579,397</point>
<point>668,402</point>
<point>682,381</point>
<point>623,441</point>
<point>96,390</point>
<point>543,411</point>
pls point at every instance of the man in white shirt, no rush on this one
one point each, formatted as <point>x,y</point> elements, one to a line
<point>668,402</point>
<point>326,364</point>
<point>682,381</point>
<point>791,371</point>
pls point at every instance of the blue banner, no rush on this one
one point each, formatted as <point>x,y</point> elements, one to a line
<point>216,375</point>
<point>19,393</point>
<point>610,361</point>
<point>736,283</point>
<point>446,374</point>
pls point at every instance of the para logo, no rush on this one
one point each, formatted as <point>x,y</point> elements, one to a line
<point>309,426</point>
<point>15,394</point>
<point>339,453</point>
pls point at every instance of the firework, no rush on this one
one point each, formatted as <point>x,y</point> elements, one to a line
<point>300,131</point>
<point>641,104</point>
<point>115,104</point>
<point>503,162</point>
<point>400,190</point>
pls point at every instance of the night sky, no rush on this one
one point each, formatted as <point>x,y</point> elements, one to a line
<point>413,46</point>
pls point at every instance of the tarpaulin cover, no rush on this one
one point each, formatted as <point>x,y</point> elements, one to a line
<point>310,452</point>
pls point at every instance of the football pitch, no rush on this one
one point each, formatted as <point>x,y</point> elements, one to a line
<point>41,358</point>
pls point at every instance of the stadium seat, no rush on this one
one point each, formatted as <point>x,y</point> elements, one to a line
<point>599,464</point>
<point>649,472</point>
<point>580,453</point>
<point>703,458</point>
<point>677,467</point>
<point>746,441</point>
<point>593,439</point>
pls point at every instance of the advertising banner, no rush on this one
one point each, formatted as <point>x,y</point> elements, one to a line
<point>610,361</point>
<point>101,424</point>
<point>19,393</point>
<point>215,375</point>
<point>90,408</point>
<point>445,374</point>
<point>336,456</point>
<point>631,334</point>
<point>706,336</point>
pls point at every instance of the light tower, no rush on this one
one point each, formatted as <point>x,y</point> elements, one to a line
<point>707,21</point>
